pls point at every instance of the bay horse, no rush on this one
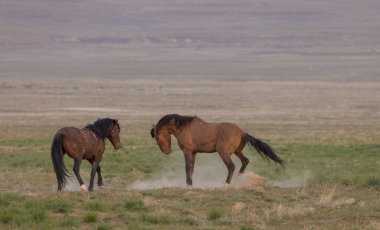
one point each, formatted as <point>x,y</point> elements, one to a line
<point>195,135</point>
<point>79,144</point>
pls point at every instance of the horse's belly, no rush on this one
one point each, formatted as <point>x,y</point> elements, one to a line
<point>208,148</point>
<point>88,155</point>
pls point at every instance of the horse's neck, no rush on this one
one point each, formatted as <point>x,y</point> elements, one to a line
<point>92,133</point>
<point>176,131</point>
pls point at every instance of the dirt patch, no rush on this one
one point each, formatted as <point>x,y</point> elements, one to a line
<point>249,180</point>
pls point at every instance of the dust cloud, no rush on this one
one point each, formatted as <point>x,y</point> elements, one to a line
<point>207,178</point>
<point>204,180</point>
<point>209,173</point>
<point>72,185</point>
<point>292,182</point>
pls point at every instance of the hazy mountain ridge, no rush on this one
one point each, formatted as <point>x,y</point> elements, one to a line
<point>192,32</point>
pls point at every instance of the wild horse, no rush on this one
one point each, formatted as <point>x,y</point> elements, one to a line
<point>195,135</point>
<point>79,144</point>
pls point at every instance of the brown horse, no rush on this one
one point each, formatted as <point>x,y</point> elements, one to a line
<point>195,135</point>
<point>79,144</point>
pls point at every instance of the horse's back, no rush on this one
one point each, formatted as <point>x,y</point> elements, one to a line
<point>69,132</point>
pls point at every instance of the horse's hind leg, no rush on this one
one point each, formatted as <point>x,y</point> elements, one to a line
<point>230,166</point>
<point>244,161</point>
<point>76,169</point>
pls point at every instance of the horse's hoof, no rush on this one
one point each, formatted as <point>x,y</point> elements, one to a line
<point>101,186</point>
<point>83,187</point>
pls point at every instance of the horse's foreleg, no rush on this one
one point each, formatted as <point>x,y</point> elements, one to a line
<point>98,170</point>
<point>230,166</point>
<point>95,166</point>
<point>76,169</point>
<point>189,160</point>
<point>100,178</point>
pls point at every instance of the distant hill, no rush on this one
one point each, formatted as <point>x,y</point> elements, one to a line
<point>264,40</point>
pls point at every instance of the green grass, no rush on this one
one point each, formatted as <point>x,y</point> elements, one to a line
<point>18,214</point>
<point>90,218</point>
<point>214,214</point>
<point>153,219</point>
<point>247,228</point>
<point>95,206</point>
<point>104,227</point>
<point>68,222</point>
<point>134,205</point>
<point>341,187</point>
<point>373,181</point>
<point>57,205</point>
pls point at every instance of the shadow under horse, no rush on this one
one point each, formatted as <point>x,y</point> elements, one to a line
<point>79,144</point>
<point>195,135</point>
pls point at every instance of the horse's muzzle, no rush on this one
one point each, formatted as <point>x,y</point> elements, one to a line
<point>167,152</point>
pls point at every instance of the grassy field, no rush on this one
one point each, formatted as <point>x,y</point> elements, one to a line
<point>323,187</point>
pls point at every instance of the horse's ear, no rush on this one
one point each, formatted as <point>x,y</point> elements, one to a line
<point>115,121</point>
<point>152,132</point>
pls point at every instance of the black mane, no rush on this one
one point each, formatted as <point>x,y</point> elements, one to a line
<point>179,120</point>
<point>101,127</point>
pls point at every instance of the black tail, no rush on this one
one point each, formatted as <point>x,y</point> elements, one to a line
<point>57,158</point>
<point>263,149</point>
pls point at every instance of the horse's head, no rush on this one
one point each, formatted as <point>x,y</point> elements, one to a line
<point>163,139</point>
<point>114,134</point>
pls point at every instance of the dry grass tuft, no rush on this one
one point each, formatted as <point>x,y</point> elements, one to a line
<point>238,207</point>
<point>282,211</point>
<point>343,202</point>
<point>327,196</point>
